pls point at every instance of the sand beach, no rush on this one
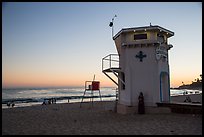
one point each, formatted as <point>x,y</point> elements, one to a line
<point>70,119</point>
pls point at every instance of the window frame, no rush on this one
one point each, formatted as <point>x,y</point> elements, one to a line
<point>142,36</point>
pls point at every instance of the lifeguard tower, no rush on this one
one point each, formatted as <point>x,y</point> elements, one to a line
<point>141,65</point>
<point>91,86</point>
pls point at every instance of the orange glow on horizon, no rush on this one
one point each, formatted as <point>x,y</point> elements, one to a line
<point>43,82</point>
<point>18,80</point>
<point>177,80</point>
<point>48,79</point>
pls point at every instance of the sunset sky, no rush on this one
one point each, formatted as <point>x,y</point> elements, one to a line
<point>62,44</point>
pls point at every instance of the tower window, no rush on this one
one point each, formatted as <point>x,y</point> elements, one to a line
<point>140,36</point>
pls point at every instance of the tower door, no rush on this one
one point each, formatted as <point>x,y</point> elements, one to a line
<point>164,87</point>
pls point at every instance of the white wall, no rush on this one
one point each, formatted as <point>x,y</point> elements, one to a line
<point>141,76</point>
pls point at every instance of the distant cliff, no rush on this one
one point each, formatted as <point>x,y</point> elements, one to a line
<point>195,85</point>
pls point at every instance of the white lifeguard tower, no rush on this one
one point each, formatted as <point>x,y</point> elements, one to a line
<point>142,66</point>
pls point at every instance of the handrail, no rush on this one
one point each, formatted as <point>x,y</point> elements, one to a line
<point>110,59</point>
<point>110,55</point>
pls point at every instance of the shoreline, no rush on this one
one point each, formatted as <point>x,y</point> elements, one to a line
<point>65,101</point>
<point>175,98</point>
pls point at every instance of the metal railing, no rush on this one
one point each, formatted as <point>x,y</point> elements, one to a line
<point>110,61</point>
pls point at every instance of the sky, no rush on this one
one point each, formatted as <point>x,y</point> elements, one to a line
<point>62,44</point>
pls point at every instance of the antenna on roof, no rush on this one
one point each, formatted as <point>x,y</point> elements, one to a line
<point>111,24</point>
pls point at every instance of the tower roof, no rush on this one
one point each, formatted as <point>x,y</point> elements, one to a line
<point>145,28</point>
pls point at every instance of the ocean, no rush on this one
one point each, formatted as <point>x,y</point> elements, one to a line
<point>35,96</point>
